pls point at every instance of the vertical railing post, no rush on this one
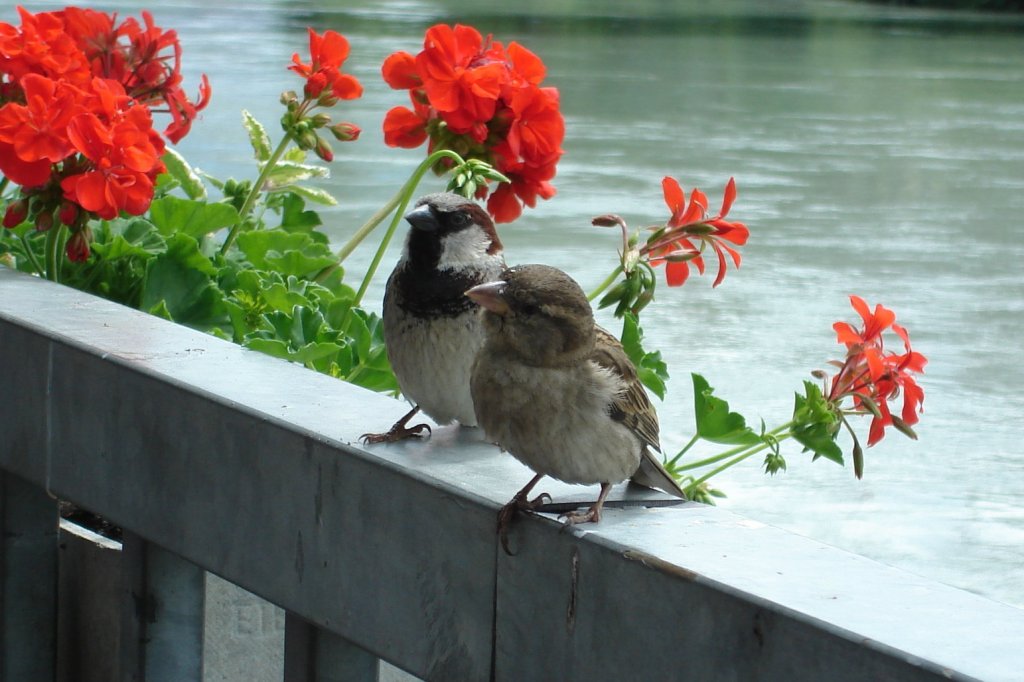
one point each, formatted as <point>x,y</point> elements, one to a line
<point>163,614</point>
<point>312,654</point>
<point>28,581</point>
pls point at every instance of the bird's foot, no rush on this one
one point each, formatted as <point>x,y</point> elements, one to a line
<point>592,515</point>
<point>396,433</point>
<point>518,503</point>
<point>400,431</point>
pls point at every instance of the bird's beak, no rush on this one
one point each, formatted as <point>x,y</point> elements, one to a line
<point>422,218</point>
<point>490,295</point>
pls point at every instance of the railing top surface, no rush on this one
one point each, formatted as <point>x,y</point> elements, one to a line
<point>234,429</point>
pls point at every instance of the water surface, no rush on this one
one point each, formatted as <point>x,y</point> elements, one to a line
<point>877,152</point>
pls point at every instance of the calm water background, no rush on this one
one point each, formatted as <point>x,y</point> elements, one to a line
<point>877,151</point>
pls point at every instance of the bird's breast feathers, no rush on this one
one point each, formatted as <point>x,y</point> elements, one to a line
<point>557,421</point>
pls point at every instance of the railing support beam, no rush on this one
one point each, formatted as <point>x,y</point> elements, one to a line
<point>315,655</point>
<point>28,581</point>
<point>162,623</point>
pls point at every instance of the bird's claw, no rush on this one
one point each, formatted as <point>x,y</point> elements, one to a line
<point>518,503</point>
<point>592,515</point>
<point>396,433</point>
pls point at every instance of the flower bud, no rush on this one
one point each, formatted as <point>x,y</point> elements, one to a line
<point>323,149</point>
<point>320,120</point>
<point>17,212</point>
<point>44,221</point>
<point>306,140</point>
<point>607,220</point>
<point>346,132</point>
<point>68,213</point>
<point>289,98</point>
<point>327,99</point>
<point>77,247</point>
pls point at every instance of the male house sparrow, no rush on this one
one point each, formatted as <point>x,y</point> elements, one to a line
<point>432,331</point>
<point>559,392</point>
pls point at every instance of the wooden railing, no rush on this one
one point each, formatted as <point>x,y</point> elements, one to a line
<point>214,458</point>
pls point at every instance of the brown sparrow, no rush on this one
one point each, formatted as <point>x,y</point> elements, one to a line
<point>560,393</point>
<point>432,331</point>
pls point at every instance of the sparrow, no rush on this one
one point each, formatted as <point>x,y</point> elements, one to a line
<point>559,392</point>
<point>431,330</point>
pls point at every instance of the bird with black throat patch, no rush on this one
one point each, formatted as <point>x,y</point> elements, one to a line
<point>559,392</point>
<point>431,330</point>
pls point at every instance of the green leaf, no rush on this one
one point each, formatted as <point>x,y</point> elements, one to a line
<point>128,238</point>
<point>294,217</point>
<point>194,218</point>
<point>295,155</point>
<point>160,310</point>
<point>305,355</point>
<point>650,368</point>
<point>181,279</point>
<point>258,137</point>
<point>715,422</point>
<point>288,253</point>
<point>286,173</point>
<point>816,424</point>
<point>316,195</point>
<point>187,178</point>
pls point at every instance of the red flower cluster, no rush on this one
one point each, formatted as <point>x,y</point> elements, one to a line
<point>484,101</point>
<point>76,130</point>
<point>674,244</point>
<point>325,86</point>
<point>873,376</point>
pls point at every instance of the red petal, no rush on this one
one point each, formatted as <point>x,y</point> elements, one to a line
<point>846,334</point>
<point>503,205</point>
<point>730,196</point>
<point>697,209</point>
<point>346,87</point>
<point>404,128</point>
<point>399,71</point>
<point>675,198</point>
<point>676,273</point>
<point>527,65</point>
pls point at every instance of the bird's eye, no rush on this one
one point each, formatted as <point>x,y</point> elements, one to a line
<point>459,219</point>
<point>529,309</point>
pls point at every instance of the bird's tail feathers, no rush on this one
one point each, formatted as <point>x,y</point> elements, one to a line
<point>652,474</point>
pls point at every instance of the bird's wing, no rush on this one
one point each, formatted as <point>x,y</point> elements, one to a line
<point>633,408</point>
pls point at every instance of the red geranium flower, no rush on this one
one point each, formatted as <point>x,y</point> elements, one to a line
<point>327,53</point>
<point>872,376</point>
<point>688,224</point>
<point>472,95</point>
<point>125,158</point>
<point>407,128</point>
<point>34,136</point>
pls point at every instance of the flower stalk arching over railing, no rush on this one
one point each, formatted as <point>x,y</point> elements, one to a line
<point>869,377</point>
<point>94,197</point>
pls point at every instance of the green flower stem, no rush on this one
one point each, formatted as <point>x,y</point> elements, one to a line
<point>257,189</point>
<point>40,270</point>
<point>744,454</point>
<point>610,280</point>
<point>403,197</point>
<point>370,225</point>
<point>361,234</point>
<point>3,185</point>
<point>53,253</point>
<point>734,451</point>
<point>693,441</point>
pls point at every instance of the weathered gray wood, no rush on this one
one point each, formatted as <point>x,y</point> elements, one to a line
<point>249,467</point>
<point>28,581</point>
